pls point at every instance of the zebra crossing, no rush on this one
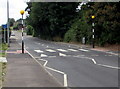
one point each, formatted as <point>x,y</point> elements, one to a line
<point>60,50</point>
<point>57,52</point>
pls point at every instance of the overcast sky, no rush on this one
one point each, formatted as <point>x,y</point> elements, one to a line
<point>14,9</point>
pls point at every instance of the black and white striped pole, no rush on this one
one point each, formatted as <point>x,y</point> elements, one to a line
<point>93,31</point>
<point>22,13</point>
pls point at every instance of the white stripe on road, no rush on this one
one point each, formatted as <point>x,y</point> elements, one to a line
<point>113,67</point>
<point>79,56</point>
<point>65,80</point>
<point>84,50</point>
<point>38,51</point>
<point>109,66</point>
<point>44,61</point>
<point>73,50</point>
<point>94,61</point>
<point>62,50</point>
<point>52,56</point>
<point>112,53</point>
<point>63,55</point>
<point>43,55</point>
<point>50,50</point>
<point>65,75</point>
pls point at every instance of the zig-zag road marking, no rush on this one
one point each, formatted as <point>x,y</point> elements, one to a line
<point>94,62</point>
<point>65,75</point>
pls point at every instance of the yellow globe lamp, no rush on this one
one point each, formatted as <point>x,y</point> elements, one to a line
<point>22,12</point>
<point>92,16</point>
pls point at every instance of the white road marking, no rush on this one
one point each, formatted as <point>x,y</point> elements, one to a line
<point>65,75</point>
<point>52,56</point>
<point>69,46</point>
<point>47,67</point>
<point>108,55</point>
<point>65,80</point>
<point>112,53</point>
<point>102,64</point>
<point>79,55</point>
<point>94,61</point>
<point>38,51</point>
<point>109,66</point>
<point>47,46</point>
<point>95,55</point>
<point>73,50</point>
<point>43,55</point>
<point>61,54</point>
<point>84,50</point>
<point>62,50</point>
<point>44,61</point>
<point>50,50</point>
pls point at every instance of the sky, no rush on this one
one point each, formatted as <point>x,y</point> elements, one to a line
<point>15,6</point>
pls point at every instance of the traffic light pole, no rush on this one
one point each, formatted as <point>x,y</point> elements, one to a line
<point>93,31</point>
<point>93,36</point>
<point>22,37</point>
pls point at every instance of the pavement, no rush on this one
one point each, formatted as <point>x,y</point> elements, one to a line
<point>24,71</point>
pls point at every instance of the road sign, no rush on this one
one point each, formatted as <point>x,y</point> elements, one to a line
<point>4,26</point>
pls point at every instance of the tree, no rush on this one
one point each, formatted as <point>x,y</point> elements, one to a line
<point>11,21</point>
<point>51,19</point>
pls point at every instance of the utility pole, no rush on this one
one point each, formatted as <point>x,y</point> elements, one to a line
<point>8,31</point>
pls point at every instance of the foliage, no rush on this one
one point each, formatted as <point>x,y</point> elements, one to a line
<point>11,21</point>
<point>58,21</point>
<point>106,24</point>
<point>29,30</point>
<point>51,20</point>
<point>78,30</point>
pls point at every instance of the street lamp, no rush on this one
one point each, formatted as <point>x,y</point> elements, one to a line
<point>93,31</point>
<point>22,13</point>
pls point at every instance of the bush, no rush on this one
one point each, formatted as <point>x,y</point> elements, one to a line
<point>78,30</point>
<point>29,30</point>
<point>15,27</point>
<point>69,36</point>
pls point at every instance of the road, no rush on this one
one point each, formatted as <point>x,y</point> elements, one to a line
<point>74,66</point>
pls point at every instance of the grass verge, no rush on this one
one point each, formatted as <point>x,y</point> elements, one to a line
<point>3,48</point>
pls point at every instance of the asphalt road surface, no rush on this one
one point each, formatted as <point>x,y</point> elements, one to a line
<point>74,66</point>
